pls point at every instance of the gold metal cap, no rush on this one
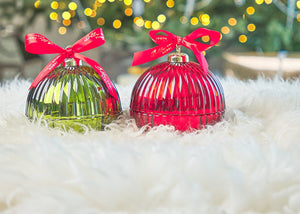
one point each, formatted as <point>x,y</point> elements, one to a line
<point>178,57</point>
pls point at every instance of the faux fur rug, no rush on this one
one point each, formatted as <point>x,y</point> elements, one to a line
<point>249,163</point>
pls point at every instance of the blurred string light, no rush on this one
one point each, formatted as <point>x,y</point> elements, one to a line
<point>127,2</point>
<point>170,3</point>
<point>259,1</point>
<point>111,0</point>
<point>100,21</point>
<point>205,19</point>
<point>183,19</point>
<point>205,38</point>
<point>37,4</point>
<point>53,16</point>
<point>194,20</point>
<point>101,1</point>
<point>148,24</point>
<point>72,6</point>
<point>54,5</point>
<point>298,4</point>
<point>147,1</point>
<point>250,10</point>
<point>225,30</point>
<point>161,18</point>
<point>155,25</point>
<point>117,24</point>
<point>242,38</point>
<point>62,30</point>
<point>251,27</point>
<point>66,15</point>
<point>232,21</point>
<point>66,22</point>
<point>88,11</point>
<point>128,12</point>
<point>298,17</point>
<point>268,1</point>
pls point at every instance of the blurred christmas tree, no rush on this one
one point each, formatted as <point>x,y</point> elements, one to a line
<point>264,25</point>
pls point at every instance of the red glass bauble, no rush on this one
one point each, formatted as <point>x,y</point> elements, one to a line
<point>177,93</point>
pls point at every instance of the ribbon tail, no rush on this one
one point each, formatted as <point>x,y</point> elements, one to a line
<point>152,54</point>
<point>47,69</point>
<point>108,83</point>
<point>201,59</point>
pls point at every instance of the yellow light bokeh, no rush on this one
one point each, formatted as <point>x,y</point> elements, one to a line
<point>251,27</point>
<point>183,19</point>
<point>139,22</point>
<point>62,30</point>
<point>268,1</point>
<point>259,1</point>
<point>94,13</point>
<point>148,24</point>
<point>54,5</point>
<point>298,17</point>
<point>205,18</point>
<point>101,1</point>
<point>155,25</point>
<point>128,11</point>
<point>298,4</point>
<point>161,18</point>
<point>101,21</point>
<point>66,22</point>
<point>232,21</point>
<point>111,0</point>
<point>194,21</point>
<point>117,24</point>
<point>225,30</point>
<point>242,38</point>
<point>37,3</point>
<point>127,2</point>
<point>66,15</point>
<point>88,11</point>
<point>250,10</point>
<point>53,16</point>
<point>206,23</point>
<point>205,38</point>
<point>147,1</point>
<point>170,3</point>
<point>72,6</point>
<point>61,5</point>
<point>72,12</point>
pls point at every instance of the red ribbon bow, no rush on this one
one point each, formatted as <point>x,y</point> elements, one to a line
<point>38,44</point>
<point>167,43</point>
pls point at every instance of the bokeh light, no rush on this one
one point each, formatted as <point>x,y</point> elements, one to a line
<point>37,4</point>
<point>170,3</point>
<point>54,5</point>
<point>101,1</point>
<point>232,21</point>
<point>66,22</point>
<point>62,30</point>
<point>66,15</point>
<point>128,11</point>
<point>127,2</point>
<point>161,18</point>
<point>101,21</point>
<point>250,10</point>
<point>194,21</point>
<point>155,25</point>
<point>268,1</point>
<point>183,19</point>
<point>259,1</point>
<point>242,38</point>
<point>148,24</point>
<point>88,11</point>
<point>225,30</point>
<point>205,38</point>
<point>72,6</point>
<point>53,16</point>
<point>117,24</point>
<point>251,27</point>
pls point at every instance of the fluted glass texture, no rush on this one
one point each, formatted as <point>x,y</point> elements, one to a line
<point>71,96</point>
<point>177,94</point>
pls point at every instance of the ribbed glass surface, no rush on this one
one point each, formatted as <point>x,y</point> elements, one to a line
<point>71,96</point>
<point>177,94</point>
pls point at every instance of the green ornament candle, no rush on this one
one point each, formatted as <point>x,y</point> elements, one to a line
<point>68,94</point>
<point>72,96</point>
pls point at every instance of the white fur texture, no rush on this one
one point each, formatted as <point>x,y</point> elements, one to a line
<point>249,163</point>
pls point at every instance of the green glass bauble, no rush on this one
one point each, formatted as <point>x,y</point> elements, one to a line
<point>72,96</point>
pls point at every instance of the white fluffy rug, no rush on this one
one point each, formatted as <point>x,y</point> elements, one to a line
<point>249,163</point>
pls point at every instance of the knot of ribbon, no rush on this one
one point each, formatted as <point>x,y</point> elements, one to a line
<point>38,44</point>
<point>167,43</point>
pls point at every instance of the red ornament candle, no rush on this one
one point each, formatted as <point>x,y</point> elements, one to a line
<point>180,93</point>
